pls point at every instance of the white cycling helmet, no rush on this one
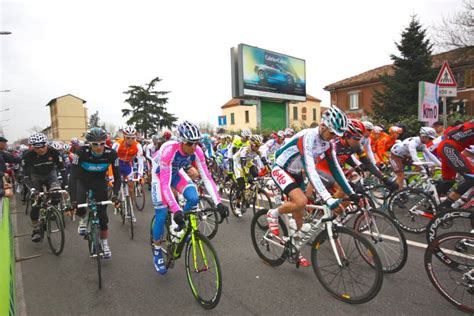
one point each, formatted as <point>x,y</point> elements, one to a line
<point>129,130</point>
<point>378,129</point>
<point>289,132</point>
<point>189,132</point>
<point>56,145</point>
<point>335,120</point>
<point>245,133</point>
<point>368,125</point>
<point>38,140</point>
<point>256,140</point>
<point>428,132</point>
<point>281,134</point>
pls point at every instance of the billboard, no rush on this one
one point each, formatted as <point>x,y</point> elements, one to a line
<point>262,73</point>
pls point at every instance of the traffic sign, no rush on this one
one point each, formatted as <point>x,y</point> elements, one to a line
<point>448,91</point>
<point>446,77</point>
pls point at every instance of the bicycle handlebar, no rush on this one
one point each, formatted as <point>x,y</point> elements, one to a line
<point>96,203</point>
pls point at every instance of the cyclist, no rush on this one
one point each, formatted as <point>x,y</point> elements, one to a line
<point>206,144</point>
<point>168,174</point>
<point>39,166</point>
<point>404,152</point>
<point>365,141</point>
<point>247,164</point>
<point>289,133</point>
<point>89,167</point>
<point>385,142</point>
<point>347,148</point>
<point>456,139</point>
<point>267,150</point>
<point>127,150</point>
<point>298,155</point>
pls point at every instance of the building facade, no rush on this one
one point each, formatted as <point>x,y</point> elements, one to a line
<point>300,114</point>
<point>68,118</point>
<point>355,94</point>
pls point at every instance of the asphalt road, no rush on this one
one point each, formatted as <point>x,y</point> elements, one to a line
<point>67,285</point>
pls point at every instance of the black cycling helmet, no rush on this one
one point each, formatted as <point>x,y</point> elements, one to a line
<point>96,135</point>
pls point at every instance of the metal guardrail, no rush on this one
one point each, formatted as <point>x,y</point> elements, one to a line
<point>7,261</point>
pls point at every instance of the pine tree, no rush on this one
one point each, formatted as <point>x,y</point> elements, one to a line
<point>148,112</point>
<point>399,99</point>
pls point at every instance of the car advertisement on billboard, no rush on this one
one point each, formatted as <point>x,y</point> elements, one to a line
<point>268,74</point>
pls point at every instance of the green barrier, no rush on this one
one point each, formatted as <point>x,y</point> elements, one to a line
<point>7,262</point>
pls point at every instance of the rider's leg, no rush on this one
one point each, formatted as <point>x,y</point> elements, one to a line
<point>397,166</point>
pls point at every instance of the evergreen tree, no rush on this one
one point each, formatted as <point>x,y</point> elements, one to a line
<point>148,112</point>
<point>399,99</point>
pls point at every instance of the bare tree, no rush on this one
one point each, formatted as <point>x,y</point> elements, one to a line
<point>205,127</point>
<point>110,128</point>
<point>457,30</point>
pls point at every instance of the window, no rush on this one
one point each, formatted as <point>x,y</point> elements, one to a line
<point>232,119</point>
<point>303,113</point>
<point>247,117</point>
<point>354,101</point>
<point>314,115</point>
<point>468,78</point>
<point>295,113</point>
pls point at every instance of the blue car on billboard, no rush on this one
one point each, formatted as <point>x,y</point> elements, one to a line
<point>274,72</point>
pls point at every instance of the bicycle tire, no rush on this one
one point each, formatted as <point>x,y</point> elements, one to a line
<point>390,239</point>
<point>54,216</point>
<point>258,197</point>
<point>98,254</point>
<point>323,258</point>
<point>139,195</point>
<point>232,199</point>
<point>455,269</point>
<point>454,220</point>
<point>404,205</point>
<point>208,222</point>
<point>129,207</point>
<point>210,261</point>
<point>259,227</point>
<point>28,203</point>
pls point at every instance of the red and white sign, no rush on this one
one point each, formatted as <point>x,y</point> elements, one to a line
<point>446,82</point>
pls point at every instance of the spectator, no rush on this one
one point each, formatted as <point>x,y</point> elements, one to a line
<point>6,157</point>
<point>439,127</point>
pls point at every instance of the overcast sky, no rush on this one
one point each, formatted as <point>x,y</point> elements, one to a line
<point>96,49</point>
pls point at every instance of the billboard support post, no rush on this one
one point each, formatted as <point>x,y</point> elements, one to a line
<point>445,113</point>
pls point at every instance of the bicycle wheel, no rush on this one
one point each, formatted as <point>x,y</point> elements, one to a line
<point>232,199</point>
<point>203,271</point>
<point>95,249</point>
<point>27,203</point>
<point>455,220</point>
<point>139,196</point>
<point>261,200</point>
<point>207,218</point>
<point>387,238</point>
<point>123,210</point>
<point>270,248</point>
<point>411,209</point>
<point>55,230</point>
<point>449,273</point>
<point>356,280</point>
<point>128,202</point>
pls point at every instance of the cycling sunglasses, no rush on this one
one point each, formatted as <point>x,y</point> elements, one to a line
<point>130,137</point>
<point>191,143</point>
<point>40,145</point>
<point>101,144</point>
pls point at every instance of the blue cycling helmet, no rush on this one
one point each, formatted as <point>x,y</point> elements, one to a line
<point>189,132</point>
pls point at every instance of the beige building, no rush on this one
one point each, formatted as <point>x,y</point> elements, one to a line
<point>300,114</point>
<point>68,118</point>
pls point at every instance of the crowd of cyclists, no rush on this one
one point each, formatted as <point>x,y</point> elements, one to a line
<point>310,161</point>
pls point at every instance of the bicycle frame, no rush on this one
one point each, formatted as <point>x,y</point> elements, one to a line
<point>324,223</point>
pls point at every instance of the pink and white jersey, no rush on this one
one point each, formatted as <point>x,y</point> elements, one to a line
<point>168,162</point>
